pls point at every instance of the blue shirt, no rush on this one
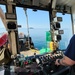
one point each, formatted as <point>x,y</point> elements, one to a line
<point>70,51</point>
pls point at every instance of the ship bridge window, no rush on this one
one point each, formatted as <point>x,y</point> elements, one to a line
<point>38,23</point>
<point>66,25</point>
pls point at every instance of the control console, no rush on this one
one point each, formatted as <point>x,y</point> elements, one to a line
<point>43,64</point>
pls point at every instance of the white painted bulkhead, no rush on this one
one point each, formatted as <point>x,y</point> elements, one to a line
<point>73,16</point>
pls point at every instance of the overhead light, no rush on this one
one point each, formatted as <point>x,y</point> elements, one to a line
<point>54,4</point>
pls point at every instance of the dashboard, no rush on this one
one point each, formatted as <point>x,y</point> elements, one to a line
<point>43,64</point>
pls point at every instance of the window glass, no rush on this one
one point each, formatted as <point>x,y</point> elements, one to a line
<point>66,25</point>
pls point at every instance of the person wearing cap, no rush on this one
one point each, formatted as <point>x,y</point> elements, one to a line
<point>69,55</point>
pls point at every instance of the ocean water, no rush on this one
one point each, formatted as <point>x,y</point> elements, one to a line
<point>39,37</point>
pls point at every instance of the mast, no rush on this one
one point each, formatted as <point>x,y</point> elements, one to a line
<point>27,27</point>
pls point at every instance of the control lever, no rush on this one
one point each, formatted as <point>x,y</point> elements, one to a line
<point>38,61</point>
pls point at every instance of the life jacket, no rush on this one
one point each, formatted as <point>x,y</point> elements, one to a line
<point>5,56</point>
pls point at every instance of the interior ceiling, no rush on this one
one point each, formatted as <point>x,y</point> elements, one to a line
<point>66,2</point>
<point>59,2</point>
<point>45,2</point>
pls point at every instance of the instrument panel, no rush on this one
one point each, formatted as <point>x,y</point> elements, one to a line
<point>40,64</point>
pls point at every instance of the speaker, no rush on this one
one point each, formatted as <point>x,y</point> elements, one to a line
<point>11,25</point>
<point>56,26</point>
<point>58,37</point>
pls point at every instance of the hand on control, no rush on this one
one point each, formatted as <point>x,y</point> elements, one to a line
<point>57,62</point>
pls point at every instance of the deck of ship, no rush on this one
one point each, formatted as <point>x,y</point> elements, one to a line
<point>30,52</point>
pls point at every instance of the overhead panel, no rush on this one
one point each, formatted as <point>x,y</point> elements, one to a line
<point>42,4</point>
<point>45,2</point>
<point>64,5</point>
<point>35,2</point>
<point>66,2</point>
